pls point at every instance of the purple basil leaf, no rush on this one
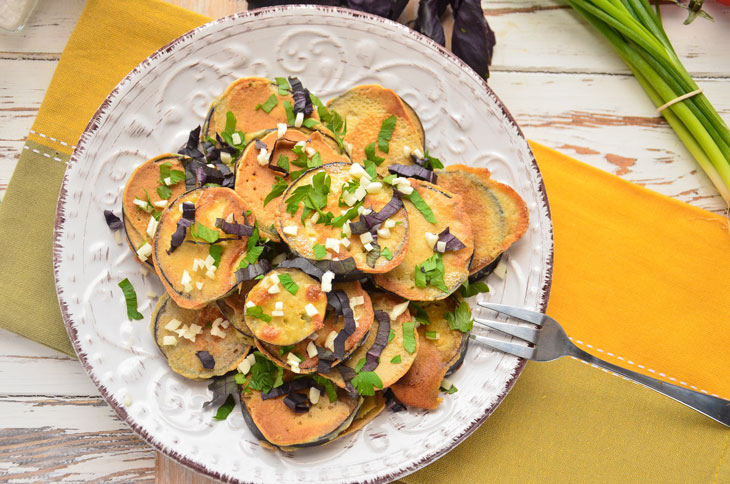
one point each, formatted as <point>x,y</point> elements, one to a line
<point>413,171</point>
<point>253,271</point>
<point>191,147</point>
<point>381,339</point>
<point>234,228</point>
<point>221,387</point>
<point>324,360</point>
<point>114,222</point>
<point>452,242</point>
<point>370,222</point>
<point>289,387</point>
<point>472,39</point>
<point>341,304</point>
<point>304,265</point>
<point>302,101</point>
<point>177,238</point>
<point>224,147</point>
<point>297,402</point>
<point>428,21</point>
<point>206,359</point>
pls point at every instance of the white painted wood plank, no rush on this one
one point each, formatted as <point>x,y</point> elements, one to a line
<point>608,122</point>
<point>29,368</point>
<point>46,439</point>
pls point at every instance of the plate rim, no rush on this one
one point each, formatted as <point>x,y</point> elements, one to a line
<point>93,125</point>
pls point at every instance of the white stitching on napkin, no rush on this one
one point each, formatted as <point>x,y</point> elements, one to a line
<point>53,139</point>
<point>47,155</point>
<point>664,375</point>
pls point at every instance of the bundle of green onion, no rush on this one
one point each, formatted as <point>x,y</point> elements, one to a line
<point>636,32</point>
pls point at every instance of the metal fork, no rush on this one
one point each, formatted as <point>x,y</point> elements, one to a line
<point>550,342</point>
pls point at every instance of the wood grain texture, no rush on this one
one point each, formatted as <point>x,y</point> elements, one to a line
<point>562,82</point>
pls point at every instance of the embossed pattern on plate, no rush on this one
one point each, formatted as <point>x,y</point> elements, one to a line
<point>151,111</point>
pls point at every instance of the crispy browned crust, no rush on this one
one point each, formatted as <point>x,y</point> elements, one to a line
<point>227,352</point>
<point>448,209</point>
<point>254,182</point>
<point>365,107</point>
<point>499,215</point>
<point>169,267</point>
<point>420,386</point>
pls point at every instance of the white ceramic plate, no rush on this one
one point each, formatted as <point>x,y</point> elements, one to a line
<point>151,111</point>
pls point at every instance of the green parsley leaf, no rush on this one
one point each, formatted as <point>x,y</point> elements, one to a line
<point>263,376</point>
<point>289,110</point>
<point>371,170</point>
<point>251,257</point>
<point>386,131</point>
<point>371,156</point>
<point>329,387</point>
<point>391,335</point>
<point>389,178</point>
<point>451,390</point>
<point>130,296</point>
<point>215,252</point>
<point>254,239</point>
<point>469,290</point>
<point>360,363</point>
<point>283,84</point>
<point>276,191</point>
<point>431,273</point>
<point>420,314</point>
<point>310,123</point>
<point>396,359</point>
<point>314,195</point>
<point>347,216</point>
<point>289,284</point>
<point>322,110</point>
<point>164,192</point>
<point>200,231</point>
<point>285,349</point>
<point>175,176</point>
<point>269,104</point>
<point>283,162</point>
<point>432,335</point>
<point>386,253</point>
<point>434,162</point>
<point>225,410</point>
<point>230,124</point>
<point>338,127</point>
<point>319,251</point>
<point>460,319</point>
<point>409,336</point>
<point>366,382</point>
<point>421,205</point>
<point>258,313</point>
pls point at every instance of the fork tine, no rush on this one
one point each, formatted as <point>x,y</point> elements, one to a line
<point>512,348</point>
<point>523,314</point>
<point>523,332</point>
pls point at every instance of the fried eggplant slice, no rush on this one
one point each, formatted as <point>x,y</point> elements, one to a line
<point>437,356</point>
<point>499,216</point>
<point>243,98</point>
<point>197,343</point>
<point>280,317</point>
<point>255,179</point>
<point>185,269</point>
<point>335,189</point>
<point>452,266</point>
<point>142,202</point>
<point>365,108</point>
<point>395,360</point>
<point>362,309</point>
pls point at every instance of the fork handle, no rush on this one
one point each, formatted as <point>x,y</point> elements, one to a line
<point>714,407</point>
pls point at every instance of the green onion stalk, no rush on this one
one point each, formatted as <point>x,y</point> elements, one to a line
<point>635,30</point>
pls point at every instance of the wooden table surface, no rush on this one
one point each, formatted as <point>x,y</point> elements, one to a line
<point>561,81</point>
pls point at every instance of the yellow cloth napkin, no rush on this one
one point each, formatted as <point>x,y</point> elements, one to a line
<point>639,280</point>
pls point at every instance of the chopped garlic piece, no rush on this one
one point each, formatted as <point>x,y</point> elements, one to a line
<point>368,247</point>
<point>310,151</point>
<point>345,242</point>
<point>226,158</point>
<point>346,229</point>
<point>144,251</point>
<point>199,285</point>
<point>279,305</point>
<point>250,304</point>
<point>209,261</point>
<point>274,278</point>
<point>181,332</point>
<point>280,130</point>
<point>311,349</point>
<point>118,237</point>
<point>186,279</point>
<point>501,269</point>
<point>315,217</point>
<point>169,341</point>
<point>236,138</point>
<point>292,359</point>
<point>274,289</point>
<point>263,157</point>
<point>291,229</point>
<point>311,310</point>
<point>374,187</point>
<point>360,193</point>
<point>357,300</point>
<point>383,233</point>
<point>350,199</point>
<point>161,203</point>
<point>389,224</point>
<point>277,313</point>
<point>210,274</point>
<point>251,359</point>
<point>168,181</point>
<point>299,120</point>
<point>446,384</point>
<point>330,341</point>
<point>314,394</point>
<point>218,332</point>
<point>333,244</point>
<point>229,219</point>
<point>441,246</point>
<point>406,150</point>
<point>327,279</point>
<point>431,239</point>
<point>418,153</point>
<point>300,144</point>
<point>225,324</point>
<point>173,324</point>
<point>244,367</point>
<point>357,171</point>
<point>398,309</point>
<point>348,147</point>
<point>363,211</point>
<point>217,322</point>
<point>366,238</point>
<point>405,188</point>
<point>140,203</point>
